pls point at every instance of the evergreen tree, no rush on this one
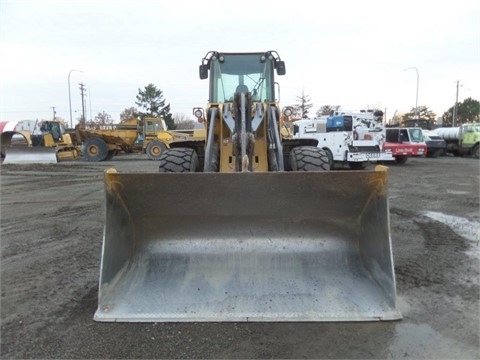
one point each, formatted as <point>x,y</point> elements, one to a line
<point>151,101</point>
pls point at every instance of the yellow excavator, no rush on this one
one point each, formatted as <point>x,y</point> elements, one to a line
<point>246,224</point>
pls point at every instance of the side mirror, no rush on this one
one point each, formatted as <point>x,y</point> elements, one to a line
<point>203,71</point>
<point>281,68</point>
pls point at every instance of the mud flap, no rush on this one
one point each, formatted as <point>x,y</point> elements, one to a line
<point>30,155</point>
<point>284,246</point>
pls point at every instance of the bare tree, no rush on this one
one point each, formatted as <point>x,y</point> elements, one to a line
<point>327,110</point>
<point>303,105</point>
<point>422,112</point>
<point>182,121</point>
<point>129,113</point>
<point>101,119</point>
<point>185,124</point>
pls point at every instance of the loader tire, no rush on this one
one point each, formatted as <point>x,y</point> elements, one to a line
<point>331,161</point>
<point>95,149</point>
<point>154,149</point>
<point>309,158</point>
<point>178,160</point>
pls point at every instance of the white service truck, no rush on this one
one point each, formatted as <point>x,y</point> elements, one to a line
<point>349,138</point>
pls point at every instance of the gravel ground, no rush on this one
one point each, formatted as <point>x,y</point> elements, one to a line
<point>51,235</point>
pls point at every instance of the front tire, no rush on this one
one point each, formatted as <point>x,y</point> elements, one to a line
<point>309,158</point>
<point>154,149</point>
<point>178,160</point>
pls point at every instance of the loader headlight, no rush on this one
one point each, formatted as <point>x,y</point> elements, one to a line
<point>287,111</point>
<point>198,113</point>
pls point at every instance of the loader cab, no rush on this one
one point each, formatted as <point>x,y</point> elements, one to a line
<point>241,72</point>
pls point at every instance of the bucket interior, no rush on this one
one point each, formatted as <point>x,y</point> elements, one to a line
<point>303,246</point>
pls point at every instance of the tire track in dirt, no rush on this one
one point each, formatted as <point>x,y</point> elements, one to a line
<point>439,260</point>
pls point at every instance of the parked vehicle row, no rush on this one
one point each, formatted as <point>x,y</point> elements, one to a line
<point>48,141</point>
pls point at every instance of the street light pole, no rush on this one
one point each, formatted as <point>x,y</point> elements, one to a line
<point>70,96</point>
<point>416,98</point>
<point>454,117</point>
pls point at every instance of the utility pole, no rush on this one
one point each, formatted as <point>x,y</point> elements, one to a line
<point>90,102</point>
<point>82,92</point>
<point>70,96</point>
<point>455,107</point>
<point>54,112</point>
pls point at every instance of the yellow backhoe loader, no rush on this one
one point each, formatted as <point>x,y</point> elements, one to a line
<point>246,224</point>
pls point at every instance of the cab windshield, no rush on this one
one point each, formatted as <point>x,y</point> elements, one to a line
<point>155,126</point>
<point>242,72</point>
<point>416,135</point>
<point>472,128</point>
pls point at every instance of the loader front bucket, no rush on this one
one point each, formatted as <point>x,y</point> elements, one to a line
<point>30,155</point>
<point>283,246</point>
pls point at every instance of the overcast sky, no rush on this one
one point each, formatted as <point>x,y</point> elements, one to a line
<point>348,53</point>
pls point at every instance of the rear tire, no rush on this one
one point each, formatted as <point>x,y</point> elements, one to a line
<point>178,160</point>
<point>309,158</point>
<point>154,149</point>
<point>95,149</point>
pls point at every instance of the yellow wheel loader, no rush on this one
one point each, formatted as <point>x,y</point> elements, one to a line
<point>49,142</point>
<point>246,224</point>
